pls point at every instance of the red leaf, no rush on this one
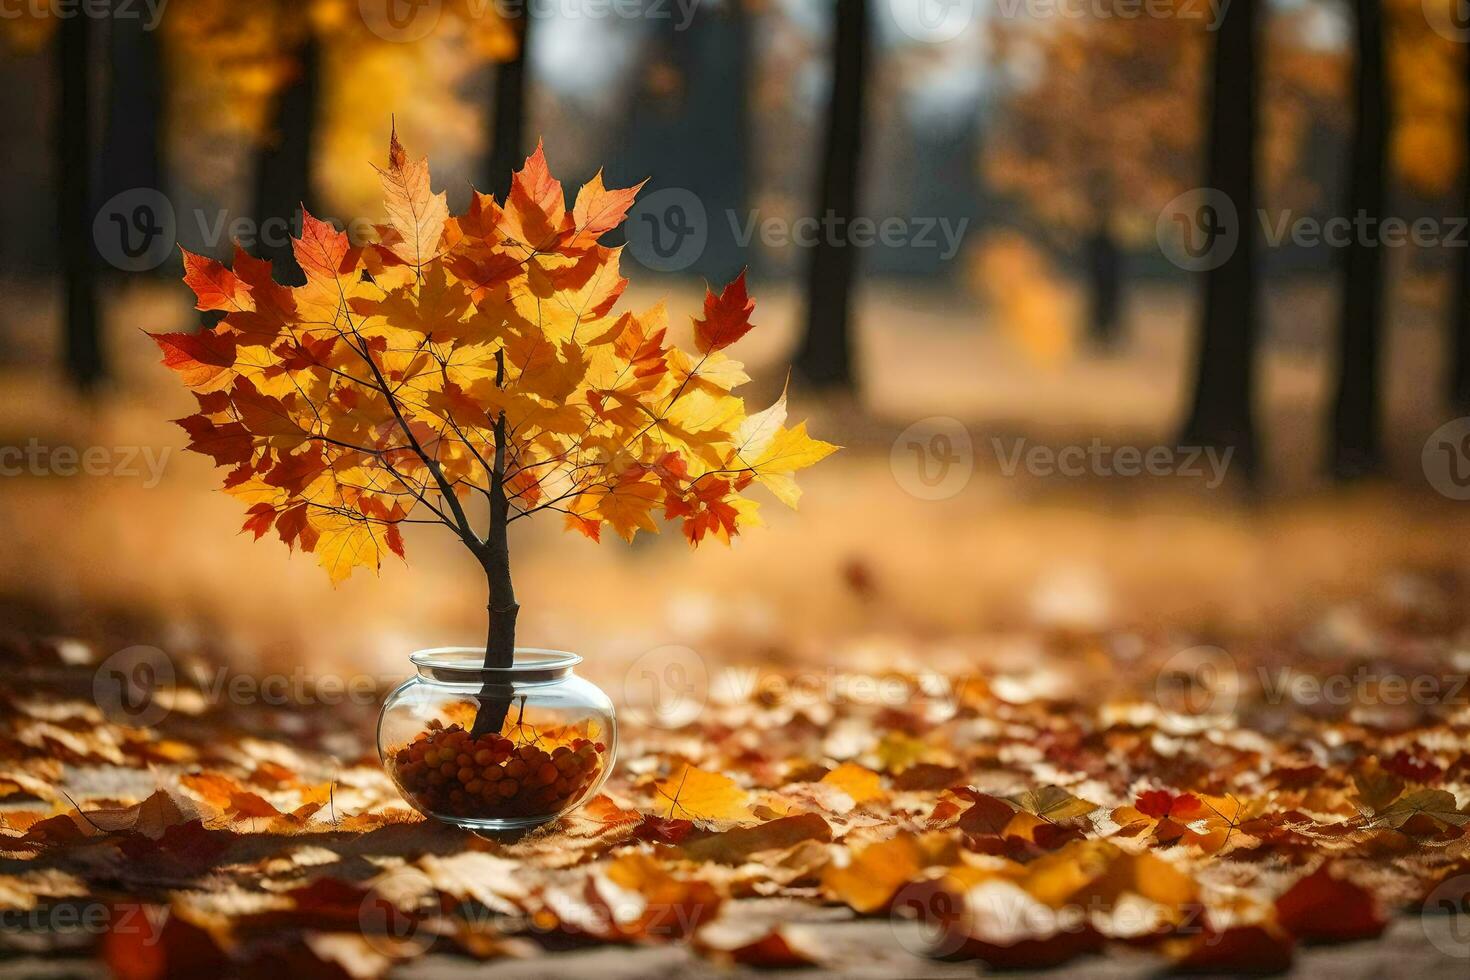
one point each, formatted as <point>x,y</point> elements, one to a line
<point>989,815</point>
<point>292,526</point>
<point>726,317</point>
<point>204,361</point>
<point>1244,949</point>
<point>293,473</point>
<point>260,518</point>
<point>394,537</point>
<point>661,830</point>
<point>214,285</point>
<point>225,444</point>
<point>1160,803</point>
<point>1412,768</point>
<point>1329,909</point>
<point>321,250</point>
<point>137,947</point>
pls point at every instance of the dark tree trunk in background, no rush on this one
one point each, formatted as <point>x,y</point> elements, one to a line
<point>508,115</point>
<point>1459,346</point>
<point>687,128</point>
<point>132,142</point>
<point>1356,448</point>
<point>1104,272</point>
<point>824,358</point>
<point>83,355</point>
<point>283,165</point>
<point>1222,414</point>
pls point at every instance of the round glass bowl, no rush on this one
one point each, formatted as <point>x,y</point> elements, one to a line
<point>496,748</point>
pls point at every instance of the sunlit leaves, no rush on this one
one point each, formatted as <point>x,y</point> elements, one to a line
<point>372,394</point>
<point>415,212</point>
<point>694,794</point>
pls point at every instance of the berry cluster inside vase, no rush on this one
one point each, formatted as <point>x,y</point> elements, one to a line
<point>517,779</point>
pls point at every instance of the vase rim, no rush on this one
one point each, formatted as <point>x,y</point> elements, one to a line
<point>468,662</point>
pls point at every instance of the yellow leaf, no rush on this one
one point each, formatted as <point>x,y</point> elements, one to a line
<point>789,450</point>
<point>415,212</point>
<point>346,543</point>
<point>693,794</point>
<point>873,875</point>
<point>628,507</point>
<point>857,782</point>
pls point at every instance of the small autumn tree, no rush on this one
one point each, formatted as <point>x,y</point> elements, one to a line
<point>473,356</point>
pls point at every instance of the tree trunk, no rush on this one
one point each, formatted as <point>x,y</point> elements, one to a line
<point>508,119</point>
<point>502,609</point>
<point>1222,414</point>
<point>500,641</point>
<point>283,166</point>
<point>824,358</point>
<point>132,142</point>
<point>1459,346</point>
<point>1356,446</point>
<point>1104,269</point>
<point>83,354</point>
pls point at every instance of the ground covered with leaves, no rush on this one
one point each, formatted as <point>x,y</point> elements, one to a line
<point>1191,809</point>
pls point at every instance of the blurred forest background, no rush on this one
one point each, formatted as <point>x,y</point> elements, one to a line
<point>1053,138</point>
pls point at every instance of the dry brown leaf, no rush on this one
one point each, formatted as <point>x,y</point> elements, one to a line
<point>738,845</point>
